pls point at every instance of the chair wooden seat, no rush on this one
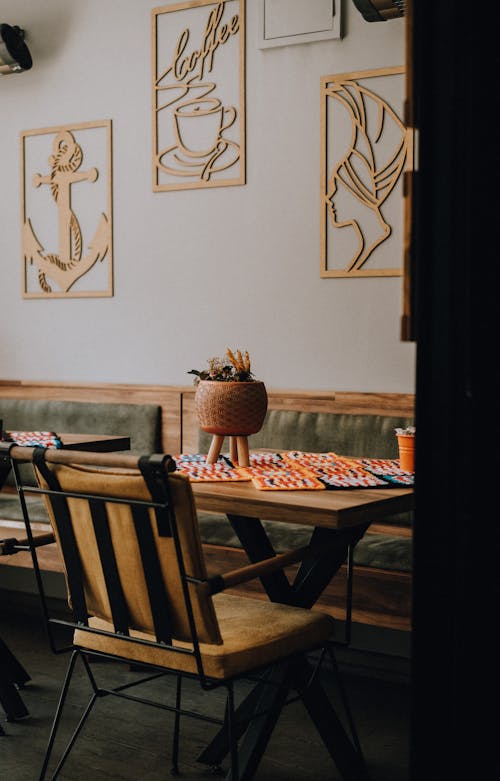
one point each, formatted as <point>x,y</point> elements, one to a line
<point>254,634</point>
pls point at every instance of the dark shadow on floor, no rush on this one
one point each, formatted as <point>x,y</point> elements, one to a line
<point>130,742</point>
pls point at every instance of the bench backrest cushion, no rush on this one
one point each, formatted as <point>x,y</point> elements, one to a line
<point>140,422</point>
<point>345,434</point>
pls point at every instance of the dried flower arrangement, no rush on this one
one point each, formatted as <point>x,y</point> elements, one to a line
<point>232,368</point>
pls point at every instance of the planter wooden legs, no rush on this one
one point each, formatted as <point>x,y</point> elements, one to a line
<point>233,450</point>
<point>215,448</point>
<point>238,450</point>
<point>243,452</point>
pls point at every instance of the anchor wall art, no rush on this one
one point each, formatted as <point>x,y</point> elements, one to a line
<point>198,95</point>
<point>66,192</point>
<point>366,149</point>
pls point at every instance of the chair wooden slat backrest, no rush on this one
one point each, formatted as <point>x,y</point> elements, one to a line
<point>131,547</point>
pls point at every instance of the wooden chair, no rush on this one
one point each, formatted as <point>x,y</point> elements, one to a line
<point>139,593</point>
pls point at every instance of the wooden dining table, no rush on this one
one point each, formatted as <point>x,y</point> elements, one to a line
<point>12,674</point>
<point>339,518</point>
<point>95,443</point>
<point>332,509</point>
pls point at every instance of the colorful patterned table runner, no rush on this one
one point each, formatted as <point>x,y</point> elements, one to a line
<point>388,469</point>
<point>198,471</point>
<point>33,438</point>
<point>274,472</point>
<point>335,471</point>
<point>297,470</point>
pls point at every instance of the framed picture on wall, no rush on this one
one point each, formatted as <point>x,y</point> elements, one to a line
<point>198,94</point>
<point>66,199</point>
<point>365,151</point>
<point>285,23</point>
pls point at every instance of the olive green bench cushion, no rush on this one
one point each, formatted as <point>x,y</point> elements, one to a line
<point>373,550</point>
<point>342,433</point>
<point>140,422</point>
<point>10,509</point>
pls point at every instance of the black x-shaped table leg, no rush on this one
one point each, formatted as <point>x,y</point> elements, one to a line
<point>328,551</point>
<point>12,675</point>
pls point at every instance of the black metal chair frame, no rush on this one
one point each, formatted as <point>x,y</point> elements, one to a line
<point>13,676</point>
<point>295,672</point>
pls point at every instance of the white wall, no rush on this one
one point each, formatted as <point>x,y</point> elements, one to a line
<point>196,270</point>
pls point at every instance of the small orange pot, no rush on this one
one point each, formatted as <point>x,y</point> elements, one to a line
<point>406,443</point>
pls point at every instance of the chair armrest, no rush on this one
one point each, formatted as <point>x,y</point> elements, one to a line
<point>235,577</point>
<point>13,545</point>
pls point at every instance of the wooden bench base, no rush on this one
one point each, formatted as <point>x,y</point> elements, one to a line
<point>380,597</point>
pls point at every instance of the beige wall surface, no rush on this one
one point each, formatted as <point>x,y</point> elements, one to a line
<point>196,270</point>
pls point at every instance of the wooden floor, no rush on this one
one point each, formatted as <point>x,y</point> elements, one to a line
<point>127,742</point>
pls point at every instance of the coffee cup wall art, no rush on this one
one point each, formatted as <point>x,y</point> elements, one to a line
<point>198,96</point>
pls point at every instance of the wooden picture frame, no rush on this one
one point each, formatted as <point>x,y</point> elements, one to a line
<point>66,211</point>
<point>365,150</point>
<point>198,94</point>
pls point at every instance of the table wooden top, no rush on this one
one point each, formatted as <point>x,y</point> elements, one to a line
<point>96,443</point>
<point>328,508</point>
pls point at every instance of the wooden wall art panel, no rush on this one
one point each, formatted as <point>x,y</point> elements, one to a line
<point>198,94</point>
<point>66,211</point>
<point>365,150</point>
<point>408,326</point>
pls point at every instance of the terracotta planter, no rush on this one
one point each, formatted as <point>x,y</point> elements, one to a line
<point>231,408</point>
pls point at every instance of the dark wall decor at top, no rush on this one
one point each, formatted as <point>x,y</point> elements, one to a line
<point>380,10</point>
<point>15,56</point>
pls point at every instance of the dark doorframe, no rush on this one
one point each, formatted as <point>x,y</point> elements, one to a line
<point>456,254</point>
